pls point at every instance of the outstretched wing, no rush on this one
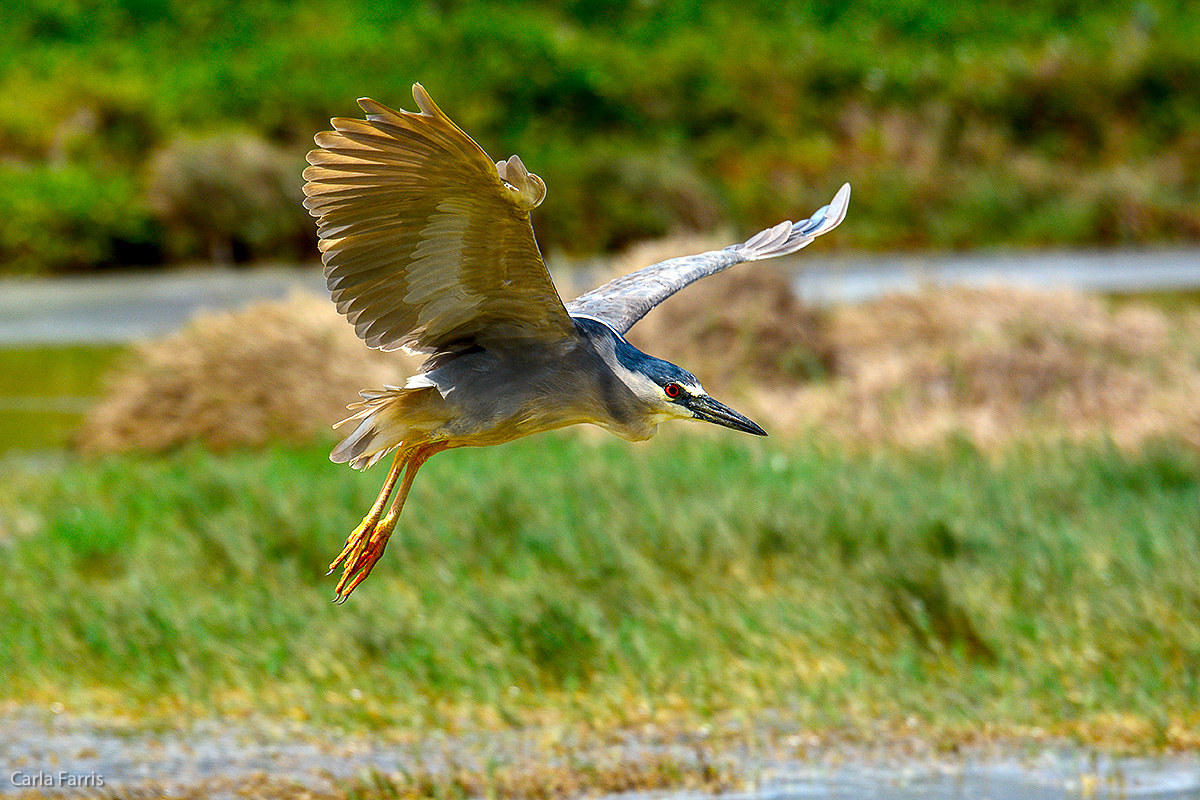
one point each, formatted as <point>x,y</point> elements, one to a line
<point>623,301</point>
<point>426,242</point>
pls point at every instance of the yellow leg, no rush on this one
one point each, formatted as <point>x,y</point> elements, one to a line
<point>365,545</point>
<point>358,536</point>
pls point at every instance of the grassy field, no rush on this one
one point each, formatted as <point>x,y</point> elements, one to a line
<point>571,579</point>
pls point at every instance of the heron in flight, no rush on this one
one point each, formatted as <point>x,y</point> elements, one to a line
<point>428,246</point>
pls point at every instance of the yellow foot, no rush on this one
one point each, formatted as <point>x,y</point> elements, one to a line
<point>364,547</point>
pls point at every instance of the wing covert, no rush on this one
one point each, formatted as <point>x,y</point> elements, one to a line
<point>623,301</point>
<point>426,241</point>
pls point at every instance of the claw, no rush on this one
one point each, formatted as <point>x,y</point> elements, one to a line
<point>364,547</point>
<point>362,552</point>
<point>355,541</point>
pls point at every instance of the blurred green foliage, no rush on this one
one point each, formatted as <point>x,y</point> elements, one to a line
<point>1036,122</point>
<point>1048,586</point>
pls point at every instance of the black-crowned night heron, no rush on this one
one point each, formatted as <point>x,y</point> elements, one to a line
<point>427,246</point>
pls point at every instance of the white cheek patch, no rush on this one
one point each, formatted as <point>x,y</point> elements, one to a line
<point>639,384</point>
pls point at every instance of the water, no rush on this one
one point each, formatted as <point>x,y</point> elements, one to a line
<point>122,308</point>
<point>107,309</point>
<point>222,756</point>
<point>852,279</point>
<point>45,391</point>
<point>1048,776</point>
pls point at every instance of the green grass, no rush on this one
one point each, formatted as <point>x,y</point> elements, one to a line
<point>55,370</point>
<point>686,580</point>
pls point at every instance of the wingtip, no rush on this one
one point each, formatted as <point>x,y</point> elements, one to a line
<point>842,198</point>
<point>788,237</point>
<point>425,102</point>
<point>838,206</point>
<point>375,110</point>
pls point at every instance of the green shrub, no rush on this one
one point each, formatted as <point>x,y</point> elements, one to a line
<point>228,195</point>
<point>70,217</point>
<point>998,125</point>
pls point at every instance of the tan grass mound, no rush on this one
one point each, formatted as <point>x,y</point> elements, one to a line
<point>279,370</point>
<point>991,365</point>
<point>1003,363</point>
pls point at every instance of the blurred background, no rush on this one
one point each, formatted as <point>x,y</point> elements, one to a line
<point>141,133</point>
<point>144,137</point>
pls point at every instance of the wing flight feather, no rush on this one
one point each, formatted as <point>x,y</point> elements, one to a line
<point>623,301</point>
<point>426,241</point>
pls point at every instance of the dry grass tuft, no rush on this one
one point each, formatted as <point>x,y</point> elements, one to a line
<point>999,364</point>
<point>273,371</point>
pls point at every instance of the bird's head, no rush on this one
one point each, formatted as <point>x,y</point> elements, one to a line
<point>677,394</point>
<point>665,391</point>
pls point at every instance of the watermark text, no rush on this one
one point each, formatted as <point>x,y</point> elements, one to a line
<point>40,779</point>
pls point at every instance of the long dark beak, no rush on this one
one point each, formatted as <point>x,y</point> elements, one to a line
<point>709,410</point>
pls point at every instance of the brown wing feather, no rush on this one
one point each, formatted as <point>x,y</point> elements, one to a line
<point>426,241</point>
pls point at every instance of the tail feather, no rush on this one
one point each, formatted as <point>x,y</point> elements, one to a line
<point>353,446</point>
<point>386,418</point>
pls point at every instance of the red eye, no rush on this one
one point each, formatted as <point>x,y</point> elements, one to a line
<point>672,390</point>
